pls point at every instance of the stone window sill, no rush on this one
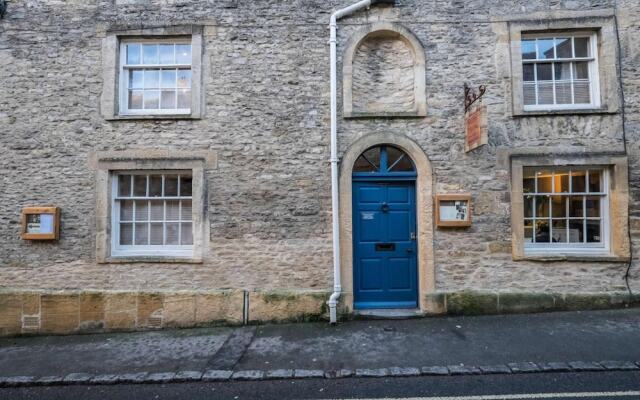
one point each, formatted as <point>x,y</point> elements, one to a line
<point>399,114</point>
<point>572,257</point>
<point>153,117</point>
<point>142,259</point>
<point>584,111</point>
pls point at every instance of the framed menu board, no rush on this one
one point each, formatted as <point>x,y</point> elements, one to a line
<point>453,210</point>
<point>40,223</point>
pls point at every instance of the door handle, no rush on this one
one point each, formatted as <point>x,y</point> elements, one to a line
<point>409,250</point>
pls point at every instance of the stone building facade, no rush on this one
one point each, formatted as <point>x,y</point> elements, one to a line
<point>204,127</point>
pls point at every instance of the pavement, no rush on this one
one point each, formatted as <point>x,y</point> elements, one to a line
<point>482,345</point>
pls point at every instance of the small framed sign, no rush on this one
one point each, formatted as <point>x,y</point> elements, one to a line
<point>40,223</point>
<point>453,210</point>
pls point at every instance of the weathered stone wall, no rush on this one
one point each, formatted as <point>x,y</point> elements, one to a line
<point>266,116</point>
<point>383,75</point>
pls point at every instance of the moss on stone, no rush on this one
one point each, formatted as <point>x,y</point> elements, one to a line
<point>525,302</point>
<point>471,303</point>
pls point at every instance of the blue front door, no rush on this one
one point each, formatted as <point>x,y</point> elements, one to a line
<point>384,245</point>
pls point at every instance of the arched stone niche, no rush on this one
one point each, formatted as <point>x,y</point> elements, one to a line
<point>384,73</point>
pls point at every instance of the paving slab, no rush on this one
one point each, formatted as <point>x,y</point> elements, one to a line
<point>430,346</point>
<point>117,353</point>
<point>478,340</point>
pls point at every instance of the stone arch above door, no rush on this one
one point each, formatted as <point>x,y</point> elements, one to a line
<point>424,207</point>
<point>384,73</point>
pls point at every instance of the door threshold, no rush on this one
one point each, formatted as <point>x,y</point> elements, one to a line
<point>388,313</point>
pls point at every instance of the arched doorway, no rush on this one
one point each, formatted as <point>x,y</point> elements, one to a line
<point>424,184</point>
<point>385,273</point>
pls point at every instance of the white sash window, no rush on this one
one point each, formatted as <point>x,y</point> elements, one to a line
<point>152,214</point>
<point>560,71</point>
<point>155,77</point>
<point>566,209</point>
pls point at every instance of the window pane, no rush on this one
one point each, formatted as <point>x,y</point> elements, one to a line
<point>542,231</point>
<point>595,181</point>
<point>170,185</point>
<point>184,99</point>
<point>185,185</point>
<point>529,94</point>
<point>562,71</point>
<point>545,48</point>
<point>528,206</point>
<point>594,234</point>
<point>173,233</point>
<point>168,99</point>
<point>186,211</point>
<point>563,48</point>
<point>135,79</point>
<point>576,206</point>
<point>173,210</point>
<point>156,234</point>
<point>155,186</point>
<point>576,231</point>
<point>527,72</point>
<point>362,165</point>
<point>578,181</point>
<point>186,237</point>
<point>157,210</point>
<point>529,180</point>
<point>183,54</point>
<point>558,206</point>
<point>593,206</point>
<point>142,234</point>
<point>544,181</point>
<point>166,54</point>
<point>403,165</point>
<point>133,54</point>
<point>581,92</point>
<point>150,53</point>
<point>151,79</point>
<point>151,99</point>
<point>545,93</point>
<point>582,46</point>
<point>140,185</point>
<point>126,234</point>
<point>559,231</point>
<point>135,99</point>
<point>528,49</point>
<point>544,71</point>
<point>581,70</point>
<point>168,78</point>
<point>542,206</point>
<point>561,181</point>
<point>528,231</point>
<point>126,210</point>
<point>124,185</point>
<point>184,78</point>
<point>563,93</point>
<point>142,210</point>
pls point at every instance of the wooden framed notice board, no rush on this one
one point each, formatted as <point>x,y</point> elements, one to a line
<point>453,210</point>
<point>40,223</point>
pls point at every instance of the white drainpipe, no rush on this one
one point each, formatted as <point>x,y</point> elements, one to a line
<point>335,209</point>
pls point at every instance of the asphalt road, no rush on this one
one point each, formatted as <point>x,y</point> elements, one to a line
<point>580,386</point>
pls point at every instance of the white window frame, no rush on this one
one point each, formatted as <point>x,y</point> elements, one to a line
<point>123,68</point>
<point>594,80</point>
<point>118,250</point>
<point>584,248</point>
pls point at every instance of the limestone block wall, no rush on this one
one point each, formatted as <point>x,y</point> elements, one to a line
<point>265,115</point>
<point>383,76</point>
